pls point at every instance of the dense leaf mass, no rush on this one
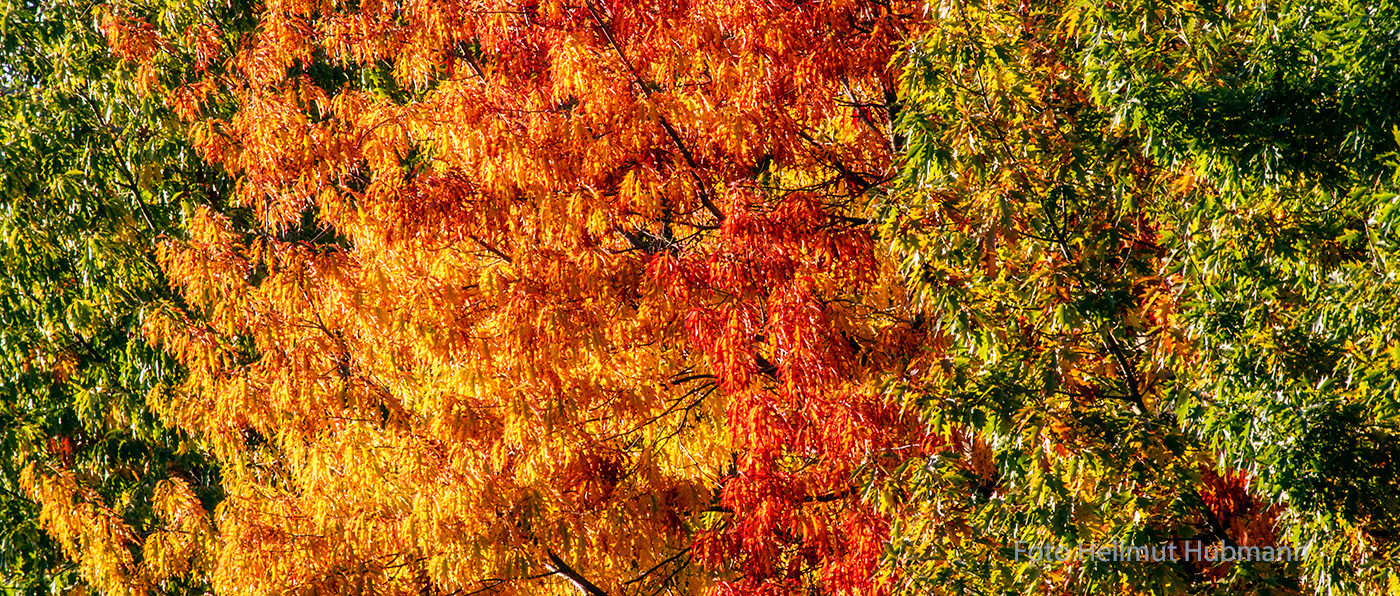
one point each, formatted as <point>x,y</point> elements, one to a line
<point>91,172</point>
<point>515,291</point>
<point>756,297</point>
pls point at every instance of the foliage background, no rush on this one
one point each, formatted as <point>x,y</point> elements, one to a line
<point>1095,272</point>
<point>93,174</point>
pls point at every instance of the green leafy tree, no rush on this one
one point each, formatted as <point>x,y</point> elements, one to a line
<point>91,174</point>
<point>1286,113</point>
<point>1157,237</point>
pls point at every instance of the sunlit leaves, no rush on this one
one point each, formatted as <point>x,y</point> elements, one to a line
<point>540,296</point>
<point>92,174</point>
<point>1157,233</point>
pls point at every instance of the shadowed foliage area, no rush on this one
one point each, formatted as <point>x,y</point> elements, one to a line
<point>91,174</point>
<point>1162,234</point>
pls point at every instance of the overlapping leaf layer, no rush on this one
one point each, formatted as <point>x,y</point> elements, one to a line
<point>756,298</point>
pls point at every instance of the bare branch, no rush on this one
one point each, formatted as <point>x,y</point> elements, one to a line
<point>559,567</point>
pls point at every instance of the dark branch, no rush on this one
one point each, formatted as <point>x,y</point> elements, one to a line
<point>665,124</point>
<point>559,567</point>
<point>1129,373</point>
<point>493,250</point>
<point>684,551</point>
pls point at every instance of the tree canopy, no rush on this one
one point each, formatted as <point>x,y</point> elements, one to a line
<point>95,488</point>
<point>848,297</point>
<point>1158,232</point>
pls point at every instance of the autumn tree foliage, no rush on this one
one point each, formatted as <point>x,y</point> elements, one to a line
<point>539,296</point>
<point>755,297</point>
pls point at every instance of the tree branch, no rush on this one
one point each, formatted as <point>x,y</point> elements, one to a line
<point>678,555</point>
<point>1129,373</point>
<point>559,567</point>
<point>704,188</point>
<point>491,249</point>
